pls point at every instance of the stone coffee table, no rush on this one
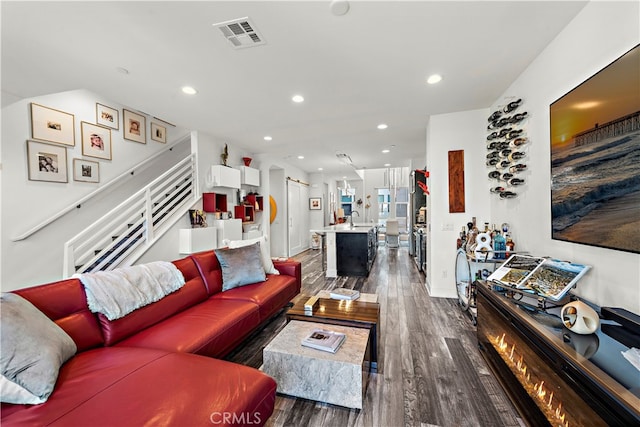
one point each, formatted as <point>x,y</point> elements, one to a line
<point>361,313</point>
<point>338,379</point>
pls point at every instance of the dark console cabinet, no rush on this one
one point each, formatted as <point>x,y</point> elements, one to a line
<point>553,376</point>
<point>355,252</point>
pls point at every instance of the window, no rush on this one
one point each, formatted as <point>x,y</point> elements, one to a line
<point>384,203</point>
<point>346,200</point>
<point>402,207</point>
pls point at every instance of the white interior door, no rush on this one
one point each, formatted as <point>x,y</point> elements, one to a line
<point>298,217</point>
<point>293,201</point>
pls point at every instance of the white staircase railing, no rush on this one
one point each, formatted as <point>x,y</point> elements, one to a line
<point>121,236</point>
<point>100,190</point>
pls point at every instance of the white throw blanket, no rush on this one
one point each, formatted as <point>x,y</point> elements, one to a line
<point>118,292</point>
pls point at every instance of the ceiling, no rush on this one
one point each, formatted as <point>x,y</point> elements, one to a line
<point>355,71</point>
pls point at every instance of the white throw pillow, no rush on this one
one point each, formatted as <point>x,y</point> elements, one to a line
<point>33,349</point>
<point>265,250</point>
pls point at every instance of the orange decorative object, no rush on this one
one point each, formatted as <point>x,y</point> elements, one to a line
<point>273,209</point>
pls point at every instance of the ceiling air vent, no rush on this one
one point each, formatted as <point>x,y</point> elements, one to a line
<point>240,33</point>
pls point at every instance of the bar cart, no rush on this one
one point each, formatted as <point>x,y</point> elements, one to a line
<point>471,267</point>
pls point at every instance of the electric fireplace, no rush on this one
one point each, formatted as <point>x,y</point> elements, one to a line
<point>555,377</point>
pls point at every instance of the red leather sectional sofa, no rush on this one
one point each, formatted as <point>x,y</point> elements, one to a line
<point>147,368</point>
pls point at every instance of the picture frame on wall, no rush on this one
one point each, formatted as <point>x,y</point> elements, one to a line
<point>107,116</point>
<point>46,162</point>
<point>315,203</point>
<point>86,170</point>
<point>158,133</point>
<point>51,125</point>
<point>96,141</point>
<point>134,126</point>
<point>594,167</point>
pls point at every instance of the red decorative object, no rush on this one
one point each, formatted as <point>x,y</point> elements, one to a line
<point>247,161</point>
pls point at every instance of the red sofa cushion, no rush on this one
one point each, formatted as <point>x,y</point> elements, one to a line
<point>290,268</point>
<point>211,328</point>
<point>209,267</point>
<point>189,295</point>
<point>65,303</point>
<point>134,387</point>
<point>270,296</point>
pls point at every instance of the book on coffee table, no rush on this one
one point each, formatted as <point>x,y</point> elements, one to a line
<point>325,340</point>
<point>344,293</point>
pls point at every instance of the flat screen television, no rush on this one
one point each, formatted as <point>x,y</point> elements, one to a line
<point>595,159</point>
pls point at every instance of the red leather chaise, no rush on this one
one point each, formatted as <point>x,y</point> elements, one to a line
<point>149,367</point>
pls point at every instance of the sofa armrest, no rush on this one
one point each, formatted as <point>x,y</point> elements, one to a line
<point>290,268</point>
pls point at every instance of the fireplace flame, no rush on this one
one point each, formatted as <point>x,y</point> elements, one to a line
<point>536,390</point>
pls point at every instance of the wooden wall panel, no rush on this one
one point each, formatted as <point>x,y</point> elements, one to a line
<point>456,181</point>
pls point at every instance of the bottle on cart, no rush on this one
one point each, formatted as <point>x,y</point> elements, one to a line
<point>510,245</point>
<point>499,246</point>
<point>462,240</point>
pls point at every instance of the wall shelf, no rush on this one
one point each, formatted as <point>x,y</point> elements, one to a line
<point>246,213</point>
<point>256,201</point>
<point>249,176</point>
<point>197,239</point>
<point>214,202</point>
<point>224,176</point>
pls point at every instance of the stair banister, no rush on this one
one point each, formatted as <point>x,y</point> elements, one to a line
<point>109,220</point>
<point>97,191</point>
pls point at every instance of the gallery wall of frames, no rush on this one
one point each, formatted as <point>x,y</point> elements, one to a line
<point>53,132</point>
<point>507,143</point>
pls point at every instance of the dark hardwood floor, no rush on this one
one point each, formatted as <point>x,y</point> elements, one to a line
<point>431,373</point>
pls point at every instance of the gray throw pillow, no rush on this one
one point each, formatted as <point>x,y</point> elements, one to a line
<point>33,349</point>
<point>241,266</point>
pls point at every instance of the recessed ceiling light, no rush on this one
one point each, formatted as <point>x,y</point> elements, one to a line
<point>344,177</point>
<point>387,164</point>
<point>382,126</point>
<point>267,138</point>
<point>189,90</point>
<point>339,7</point>
<point>320,169</point>
<point>297,98</point>
<point>300,157</point>
<point>386,150</point>
<point>434,78</point>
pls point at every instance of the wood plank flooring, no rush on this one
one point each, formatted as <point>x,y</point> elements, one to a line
<point>431,373</point>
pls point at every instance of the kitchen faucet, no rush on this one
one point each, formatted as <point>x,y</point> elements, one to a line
<point>351,216</point>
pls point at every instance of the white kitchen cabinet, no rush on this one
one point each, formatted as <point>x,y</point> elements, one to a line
<point>249,176</point>
<point>223,176</point>
<point>197,239</point>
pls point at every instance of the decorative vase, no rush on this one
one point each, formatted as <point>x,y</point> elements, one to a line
<point>580,318</point>
<point>247,161</point>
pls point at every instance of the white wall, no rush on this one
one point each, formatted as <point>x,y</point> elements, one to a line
<point>27,203</point>
<point>599,34</point>
<point>274,173</point>
<point>602,32</point>
<point>208,149</point>
<point>317,189</point>
<point>448,132</point>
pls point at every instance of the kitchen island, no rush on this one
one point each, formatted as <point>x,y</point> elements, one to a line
<point>350,249</point>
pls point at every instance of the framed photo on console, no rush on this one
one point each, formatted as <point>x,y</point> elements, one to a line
<point>134,126</point>
<point>52,125</point>
<point>46,162</point>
